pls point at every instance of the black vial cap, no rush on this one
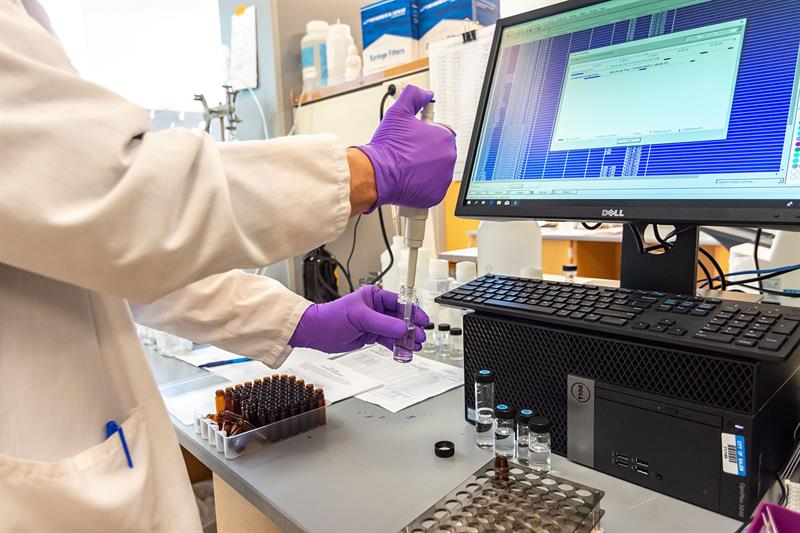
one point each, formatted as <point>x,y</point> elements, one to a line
<point>429,326</point>
<point>504,412</point>
<point>455,331</point>
<point>444,327</point>
<point>540,424</point>
<point>484,376</point>
<point>524,416</point>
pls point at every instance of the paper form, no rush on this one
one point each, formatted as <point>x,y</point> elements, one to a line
<point>456,72</point>
<point>405,384</point>
<point>243,70</point>
<point>337,380</point>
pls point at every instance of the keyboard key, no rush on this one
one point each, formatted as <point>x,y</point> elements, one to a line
<point>724,315</point>
<point>772,342</point>
<point>731,331</point>
<point>641,325</point>
<point>753,334</point>
<point>761,327</point>
<point>744,318</point>
<point>718,321</point>
<point>745,341</point>
<point>592,317</point>
<point>699,312</point>
<point>750,311</point>
<point>613,321</point>
<point>784,327</point>
<point>793,315</point>
<point>563,312</point>
<point>713,337</point>
<point>730,308</point>
<point>522,307</point>
<point>738,324</point>
<point>706,306</point>
<point>614,314</point>
<point>585,309</point>
<point>710,327</point>
<point>666,321</point>
<point>772,313</point>
<point>659,328</point>
<point>577,314</point>
<point>677,332</point>
<point>626,308</point>
<point>664,308</point>
<point>681,310</point>
<point>765,320</point>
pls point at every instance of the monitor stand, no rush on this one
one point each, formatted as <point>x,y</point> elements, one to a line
<point>670,271</point>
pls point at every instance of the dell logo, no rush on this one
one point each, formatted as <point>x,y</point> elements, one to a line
<point>580,392</point>
<point>612,213</point>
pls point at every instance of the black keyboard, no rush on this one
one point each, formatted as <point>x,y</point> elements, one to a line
<point>762,331</point>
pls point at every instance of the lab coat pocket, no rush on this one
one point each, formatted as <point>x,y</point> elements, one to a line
<point>95,490</point>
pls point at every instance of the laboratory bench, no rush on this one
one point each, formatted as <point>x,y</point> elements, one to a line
<point>370,470</point>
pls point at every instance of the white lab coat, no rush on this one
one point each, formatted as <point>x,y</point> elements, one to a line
<point>95,212</point>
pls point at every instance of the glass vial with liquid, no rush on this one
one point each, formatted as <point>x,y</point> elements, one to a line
<point>484,408</point>
<point>443,338</point>
<point>403,350</point>
<point>504,435</point>
<point>456,344</point>
<point>539,444</point>
<point>429,346</point>
<point>523,433</point>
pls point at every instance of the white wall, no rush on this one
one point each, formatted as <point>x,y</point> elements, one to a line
<point>513,7</point>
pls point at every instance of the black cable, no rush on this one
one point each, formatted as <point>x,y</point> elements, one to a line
<point>763,277</point>
<point>723,283</point>
<point>709,283</point>
<point>353,247</point>
<point>391,90</point>
<point>323,283</point>
<point>756,244</point>
<point>776,293</point>
<point>591,228</point>
<point>388,247</point>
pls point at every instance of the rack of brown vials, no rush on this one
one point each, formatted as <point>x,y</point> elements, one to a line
<point>270,409</point>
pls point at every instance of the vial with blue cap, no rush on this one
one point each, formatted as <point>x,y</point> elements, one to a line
<point>484,408</point>
<point>504,436</point>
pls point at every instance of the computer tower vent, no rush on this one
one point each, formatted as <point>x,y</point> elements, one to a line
<point>532,362</point>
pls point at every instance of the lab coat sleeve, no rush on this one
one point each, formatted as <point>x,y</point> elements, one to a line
<point>242,313</point>
<point>90,197</point>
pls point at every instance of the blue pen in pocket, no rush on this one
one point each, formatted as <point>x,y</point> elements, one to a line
<point>111,428</point>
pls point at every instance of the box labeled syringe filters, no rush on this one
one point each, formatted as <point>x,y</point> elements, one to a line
<point>440,19</point>
<point>389,30</point>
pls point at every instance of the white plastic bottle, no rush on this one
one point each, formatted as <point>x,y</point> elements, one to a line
<point>438,282</point>
<point>352,70</point>
<point>314,56</point>
<point>338,40</point>
<point>466,271</point>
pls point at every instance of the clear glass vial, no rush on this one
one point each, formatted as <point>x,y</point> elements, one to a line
<point>404,346</point>
<point>504,436</point>
<point>456,344</point>
<point>484,408</point>
<point>539,444</point>
<point>429,346</point>
<point>569,271</point>
<point>443,338</point>
<point>523,433</point>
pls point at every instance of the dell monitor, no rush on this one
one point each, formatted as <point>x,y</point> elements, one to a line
<point>683,112</point>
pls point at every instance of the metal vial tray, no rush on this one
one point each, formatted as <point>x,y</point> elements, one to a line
<point>527,502</point>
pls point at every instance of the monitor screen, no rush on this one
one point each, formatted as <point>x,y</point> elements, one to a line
<point>630,103</point>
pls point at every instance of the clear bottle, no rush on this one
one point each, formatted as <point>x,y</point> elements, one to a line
<point>313,56</point>
<point>539,444</point>
<point>569,271</point>
<point>523,433</point>
<point>504,436</point>
<point>456,345</point>
<point>484,408</point>
<point>429,346</point>
<point>337,42</point>
<point>437,283</point>
<point>404,346</point>
<point>443,338</point>
<point>352,69</point>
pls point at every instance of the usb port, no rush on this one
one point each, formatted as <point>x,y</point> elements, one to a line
<point>642,462</point>
<point>622,460</point>
<point>642,469</point>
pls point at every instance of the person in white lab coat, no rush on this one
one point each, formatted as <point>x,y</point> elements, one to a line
<point>98,215</point>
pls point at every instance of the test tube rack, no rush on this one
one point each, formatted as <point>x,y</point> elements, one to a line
<point>517,500</point>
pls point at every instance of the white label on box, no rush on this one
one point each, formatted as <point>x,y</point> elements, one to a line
<point>733,455</point>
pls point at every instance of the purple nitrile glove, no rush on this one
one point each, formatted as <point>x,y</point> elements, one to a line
<point>366,316</point>
<point>413,160</point>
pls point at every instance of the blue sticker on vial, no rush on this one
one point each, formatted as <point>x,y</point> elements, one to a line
<point>734,455</point>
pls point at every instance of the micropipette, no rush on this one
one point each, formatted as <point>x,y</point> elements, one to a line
<point>414,234</point>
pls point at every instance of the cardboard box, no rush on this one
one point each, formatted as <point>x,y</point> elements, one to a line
<point>440,19</point>
<point>389,30</point>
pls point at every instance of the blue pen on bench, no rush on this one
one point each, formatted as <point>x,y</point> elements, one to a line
<point>111,428</point>
<point>226,362</point>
